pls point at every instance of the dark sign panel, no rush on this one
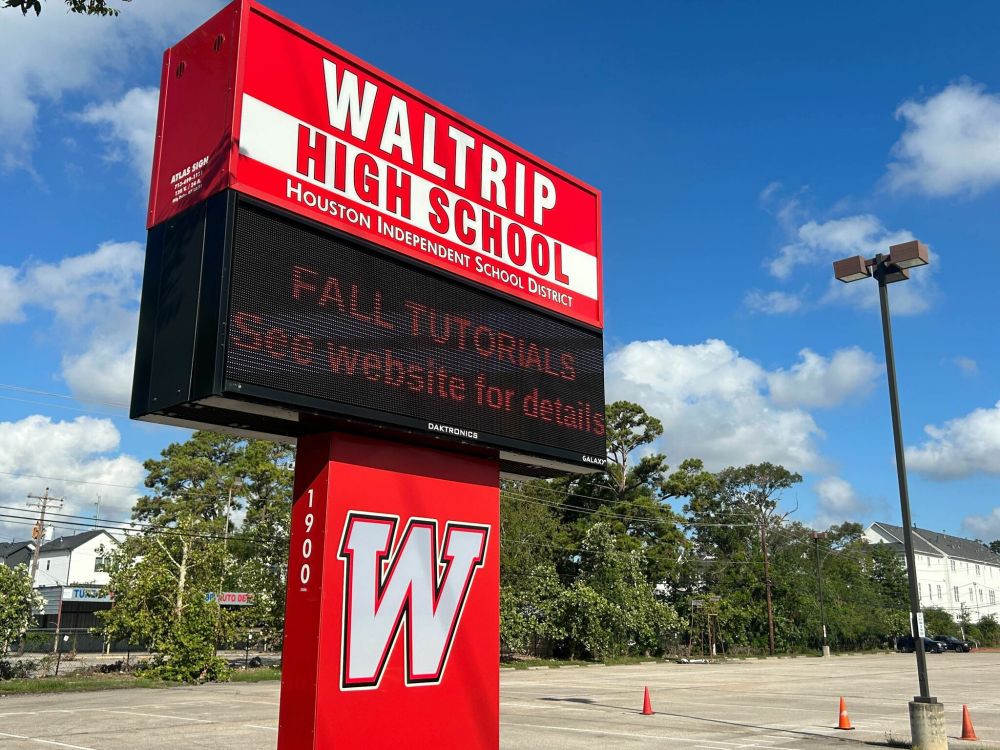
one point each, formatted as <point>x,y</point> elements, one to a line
<point>258,322</point>
<point>316,316</point>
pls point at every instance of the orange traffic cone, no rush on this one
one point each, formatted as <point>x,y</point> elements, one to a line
<point>647,707</point>
<point>968,733</point>
<point>845,721</point>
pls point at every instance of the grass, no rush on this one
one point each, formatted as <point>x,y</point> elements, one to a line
<point>80,683</point>
<point>557,663</point>
<point>263,674</point>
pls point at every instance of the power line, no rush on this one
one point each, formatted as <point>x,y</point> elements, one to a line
<point>67,396</point>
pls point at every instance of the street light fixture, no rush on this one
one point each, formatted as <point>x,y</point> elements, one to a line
<point>926,714</point>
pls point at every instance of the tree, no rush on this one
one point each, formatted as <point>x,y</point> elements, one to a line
<point>639,623</point>
<point>189,547</point>
<point>529,612</point>
<point>989,630</point>
<point>83,7</point>
<point>939,622</point>
<point>629,493</point>
<point>211,477</point>
<point>159,579</point>
<point>994,546</point>
<point>17,602</point>
<point>530,534</point>
<point>723,513</point>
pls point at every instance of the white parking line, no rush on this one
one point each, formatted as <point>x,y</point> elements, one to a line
<point>45,742</point>
<point>609,733</point>
<point>158,716</point>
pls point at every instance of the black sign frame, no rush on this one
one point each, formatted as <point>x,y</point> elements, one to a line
<point>181,355</point>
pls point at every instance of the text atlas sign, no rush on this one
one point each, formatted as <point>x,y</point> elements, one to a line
<point>350,147</point>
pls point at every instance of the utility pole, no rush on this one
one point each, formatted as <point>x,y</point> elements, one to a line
<point>38,533</point>
<point>817,535</point>
<point>767,586</point>
<point>97,515</point>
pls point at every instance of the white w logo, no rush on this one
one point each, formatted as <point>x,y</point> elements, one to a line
<point>412,589</point>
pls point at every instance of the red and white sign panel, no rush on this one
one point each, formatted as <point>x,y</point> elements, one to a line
<point>314,130</point>
<point>392,617</point>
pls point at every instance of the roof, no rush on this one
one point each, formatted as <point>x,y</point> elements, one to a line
<point>939,544</point>
<point>63,543</point>
<point>9,548</point>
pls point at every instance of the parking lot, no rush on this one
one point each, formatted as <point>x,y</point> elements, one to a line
<point>774,703</point>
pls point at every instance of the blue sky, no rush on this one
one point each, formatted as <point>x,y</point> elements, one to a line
<point>740,149</point>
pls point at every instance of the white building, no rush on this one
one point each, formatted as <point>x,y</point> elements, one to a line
<point>954,574</point>
<point>75,560</point>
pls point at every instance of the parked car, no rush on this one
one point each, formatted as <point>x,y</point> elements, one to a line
<point>906,645</point>
<point>951,643</point>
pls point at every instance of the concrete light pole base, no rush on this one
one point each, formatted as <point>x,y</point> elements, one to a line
<point>927,726</point>
<point>826,652</point>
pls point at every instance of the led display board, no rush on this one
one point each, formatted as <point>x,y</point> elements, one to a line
<point>346,250</point>
<point>260,323</point>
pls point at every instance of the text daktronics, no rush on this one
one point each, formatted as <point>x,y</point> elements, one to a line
<point>456,431</point>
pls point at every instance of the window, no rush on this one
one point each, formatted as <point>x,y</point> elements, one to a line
<point>952,564</point>
<point>954,591</point>
<point>939,591</point>
<point>993,597</point>
<point>930,592</point>
<point>977,570</point>
<point>99,564</point>
<point>48,564</point>
<point>980,595</point>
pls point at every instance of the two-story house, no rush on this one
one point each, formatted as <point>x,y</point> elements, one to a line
<point>75,560</point>
<point>954,574</point>
<point>71,572</point>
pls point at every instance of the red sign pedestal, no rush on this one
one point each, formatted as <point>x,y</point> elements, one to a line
<point>392,624</point>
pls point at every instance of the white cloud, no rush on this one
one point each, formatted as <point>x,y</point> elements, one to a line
<point>815,381</point>
<point>772,303</point>
<point>820,243</point>
<point>951,142</point>
<point>967,365</point>
<point>130,124</point>
<point>102,372</point>
<point>713,404</point>
<point>84,449</point>
<point>836,502</point>
<point>986,528</point>
<point>815,245</point>
<point>46,58</point>
<point>962,447</point>
<point>11,296</point>
<point>93,299</point>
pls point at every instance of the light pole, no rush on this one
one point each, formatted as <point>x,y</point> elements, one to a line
<point>817,535</point>
<point>926,714</point>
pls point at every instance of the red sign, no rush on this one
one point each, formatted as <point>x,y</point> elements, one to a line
<point>286,117</point>
<point>392,618</point>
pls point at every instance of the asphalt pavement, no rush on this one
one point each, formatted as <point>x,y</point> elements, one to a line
<point>773,704</point>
